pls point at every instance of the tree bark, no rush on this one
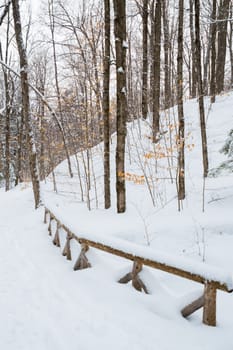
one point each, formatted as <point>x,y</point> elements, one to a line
<point>230,44</point>
<point>166,48</point>
<point>120,44</point>
<point>6,77</point>
<point>213,53</point>
<point>157,64</point>
<point>107,191</point>
<point>222,39</point>
<point>193,50</point>
<point>181,136</point>
<point>145,58</point>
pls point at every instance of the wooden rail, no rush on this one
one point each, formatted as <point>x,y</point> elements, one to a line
<point>207,301</point>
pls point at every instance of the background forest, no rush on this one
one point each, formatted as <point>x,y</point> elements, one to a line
<point>84,70</point>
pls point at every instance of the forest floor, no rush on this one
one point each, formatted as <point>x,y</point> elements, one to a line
<point>45,305</point>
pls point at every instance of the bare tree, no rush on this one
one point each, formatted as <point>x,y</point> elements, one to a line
<point>200,90</point>
<point>26,103</point>
<point>107,192</point>
<point>6,75</point>
<point>181,136</point>
<point>145,58</point>
<point>193,51</point>
<point>166,49</point>
<point>213,52</point>
<point>230,40</point>
<point>156,71</point>
<point>121,46</point>
<point>223,14</point>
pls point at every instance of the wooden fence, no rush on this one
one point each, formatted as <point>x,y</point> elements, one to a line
<point>211,282</point>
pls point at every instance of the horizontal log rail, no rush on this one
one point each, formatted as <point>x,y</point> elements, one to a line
<point>208,301</point>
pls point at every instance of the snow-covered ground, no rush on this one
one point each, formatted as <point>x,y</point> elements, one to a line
<point>45,305</point>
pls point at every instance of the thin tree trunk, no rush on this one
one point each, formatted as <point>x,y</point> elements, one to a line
<point>207,65</point>
<point>120,43</point>
<point>230,44</point>
<point>200,90</point>
<point>20,131</point>
<point>181,137</point>
<point>166,47</point>
<point>145,58</point>
<point>157,64</point>
<point>7,124</point>
<point>26,103</point>
<point>42,137</point>
<point>213,53</point>
<point>107,191</point>
<point>222,39</point>
<point>193,50</point>
<point>6,76</point>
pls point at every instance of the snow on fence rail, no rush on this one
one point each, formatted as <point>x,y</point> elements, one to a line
<point>212,277</point>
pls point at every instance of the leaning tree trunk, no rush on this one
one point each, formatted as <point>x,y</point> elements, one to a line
<point>120,44</point>
<point>106,81</point>
<point>200,90</point>
<point>181,138</point>
<point>26,103</point>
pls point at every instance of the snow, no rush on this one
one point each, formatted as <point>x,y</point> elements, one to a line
<point>125,44</point>
<point>46,305</point>
<point>120,70</point>
<point>208,273</point>
<point>123,90</point>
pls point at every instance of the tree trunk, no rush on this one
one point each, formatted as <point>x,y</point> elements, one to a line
<point>200,90</point>
<point>222,39</point>
<point>193,50</point>
<point>181,137</point>
<point>26,103</point>
<point>145,58</point>
<point>213,53</point>
<point>157,64</point>
<point>120,44</point>
<point>207,65</point>
<point>20,132</point>
<point>230,44</point>
<point>6,76</point>
<point>42,136</point>
<point>166,48</point>
<point>107,191</point>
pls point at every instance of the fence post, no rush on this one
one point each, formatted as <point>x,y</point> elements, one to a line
<point>209,311</point>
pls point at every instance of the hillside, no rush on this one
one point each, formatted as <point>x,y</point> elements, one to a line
<point>46,305</point>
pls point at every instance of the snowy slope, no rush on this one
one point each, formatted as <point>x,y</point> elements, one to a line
<point>45,305</point>
<point>190,232</point>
